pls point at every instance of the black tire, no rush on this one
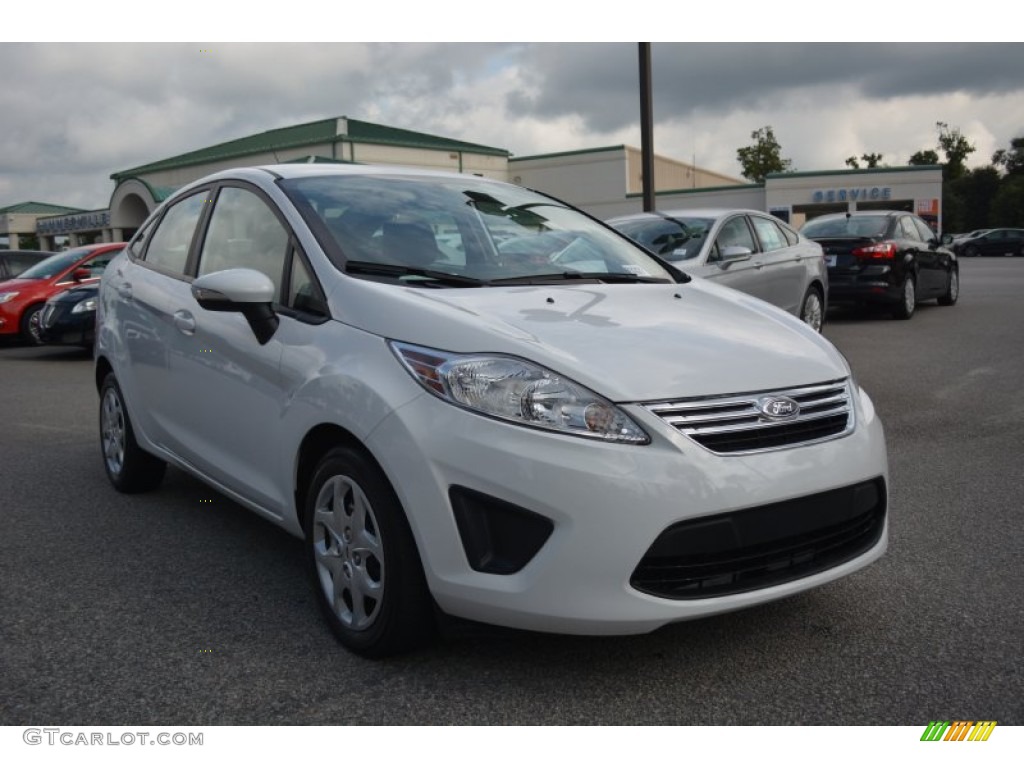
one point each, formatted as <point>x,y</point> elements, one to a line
<point>362,558</point>
<point>30,329</point>
<point>130,469</point>
<point>812,309</point>
<point>971,251</point>
<point>952,293</point>
<point>904,309</point>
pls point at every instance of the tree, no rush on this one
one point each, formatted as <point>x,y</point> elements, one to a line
<point>924,157</point>
<point>1008,204</point>
<point>1011,160</point>
<point>762,157</point>
<point>956,148</point>
<point>871,158</point>
<point>973,193</point>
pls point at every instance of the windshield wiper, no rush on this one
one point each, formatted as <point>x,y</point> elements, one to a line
<point>400,270</point>
<point>602,277</point>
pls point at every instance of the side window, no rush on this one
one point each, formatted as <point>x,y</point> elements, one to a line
<point>924,230</point>
<point>304,294</point>
<point>735,232</point>
<point>137,247</point>
<point>18,264</point>
<point>169,244</point>
<point>906,230</point>
<point>244,232</point>
<point>770,235</point>
<point>98,263</point>
<point>791,236</point>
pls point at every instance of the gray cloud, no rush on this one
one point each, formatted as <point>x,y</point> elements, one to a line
<point>75,113</point>
<point>599,82</point>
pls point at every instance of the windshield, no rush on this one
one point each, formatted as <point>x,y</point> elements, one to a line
<point>674,238</point>
<point>846,226</point>
<point>421,228</point>
<point>54,265</point>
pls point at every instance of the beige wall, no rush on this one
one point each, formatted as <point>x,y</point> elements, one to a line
<point>672,174</point>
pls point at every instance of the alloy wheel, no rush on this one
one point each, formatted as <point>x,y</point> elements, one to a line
<point>112,428</point>
<point>349,553</point>
<point>811,312</point>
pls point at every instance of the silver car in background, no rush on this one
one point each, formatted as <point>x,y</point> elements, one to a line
<point>749,251</point>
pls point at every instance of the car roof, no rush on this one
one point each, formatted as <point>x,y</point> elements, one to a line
<point>306,170</point>
<point>855,214</point>
<point>704,213</point>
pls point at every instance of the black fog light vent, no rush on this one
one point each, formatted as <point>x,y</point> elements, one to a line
<point>498,537</point>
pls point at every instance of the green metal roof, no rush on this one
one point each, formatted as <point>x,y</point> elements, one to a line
<point>318,132</point>
<point>43,209</point>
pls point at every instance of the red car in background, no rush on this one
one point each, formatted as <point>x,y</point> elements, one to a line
<point>22,298</point>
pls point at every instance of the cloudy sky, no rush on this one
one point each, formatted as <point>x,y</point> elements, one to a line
<point>75,113</point>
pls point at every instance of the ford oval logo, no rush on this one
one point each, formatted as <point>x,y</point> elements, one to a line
<point>778,408</point>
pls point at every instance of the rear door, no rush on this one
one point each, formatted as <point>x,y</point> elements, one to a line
<point>743,273</point>
<point>784,272</point>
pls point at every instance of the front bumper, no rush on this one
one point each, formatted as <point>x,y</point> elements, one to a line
<point>58,325</point>
<point>607,504</point>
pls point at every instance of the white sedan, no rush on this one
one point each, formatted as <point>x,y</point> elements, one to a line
<point>468,396</point>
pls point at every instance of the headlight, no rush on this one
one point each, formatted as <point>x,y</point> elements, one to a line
<point>7,296</point>
<point>518,391</point>
<point>85,305</point>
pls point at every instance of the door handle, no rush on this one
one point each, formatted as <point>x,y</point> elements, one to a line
<point>758,265</point>
<point>184,322</point>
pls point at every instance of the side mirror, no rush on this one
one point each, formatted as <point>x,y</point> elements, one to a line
<point>80,274</point>
<point>731,253</point>
<point>947,239</point>
<point>240,290</point>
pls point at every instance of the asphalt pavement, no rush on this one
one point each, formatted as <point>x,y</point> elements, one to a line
<point>181,607</point>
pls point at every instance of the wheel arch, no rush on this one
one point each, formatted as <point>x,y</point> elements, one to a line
<point>314,445</point>
<point>103,367</point>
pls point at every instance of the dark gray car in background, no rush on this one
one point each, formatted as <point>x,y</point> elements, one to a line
<point>747,250</point>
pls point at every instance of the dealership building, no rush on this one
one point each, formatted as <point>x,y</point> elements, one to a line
<point>604,181</point>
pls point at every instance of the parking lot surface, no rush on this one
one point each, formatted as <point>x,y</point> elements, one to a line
<point>182,607</point>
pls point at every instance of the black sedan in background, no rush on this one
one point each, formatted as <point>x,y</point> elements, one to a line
<point>70,317</point>
<point>13,263</point>
<point>992,242</point>
<point>884,257</point>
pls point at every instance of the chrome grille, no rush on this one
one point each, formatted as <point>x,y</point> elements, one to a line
<point>731,424</point>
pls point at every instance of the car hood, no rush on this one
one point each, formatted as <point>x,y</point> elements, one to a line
<point>627,342</point>
<point>17,284</point>
<point>76,294</point>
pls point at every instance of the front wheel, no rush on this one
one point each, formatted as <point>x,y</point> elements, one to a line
<point>952,293</point>
<point>812,310</point>
<point>362,558</point>
<point>908,300</point>
<point>971,251</point>
<point>31,325</point>
<point>130,469</point>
